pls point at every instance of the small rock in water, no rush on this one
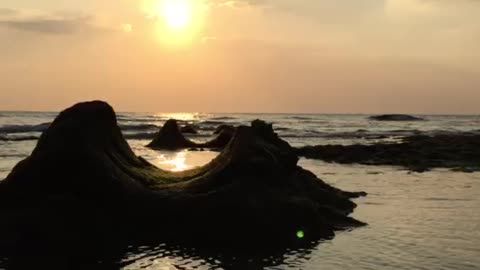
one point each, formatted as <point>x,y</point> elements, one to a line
<point>189,129</point>
<point>395,117</point>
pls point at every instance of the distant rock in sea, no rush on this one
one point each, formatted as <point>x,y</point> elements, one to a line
<point>395,117</point>
<point>83,190</point>
<point>170,137</point>
<point>189,129</point>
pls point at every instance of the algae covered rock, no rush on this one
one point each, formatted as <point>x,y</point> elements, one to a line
<point>83,184</point>
<point>420,153</point>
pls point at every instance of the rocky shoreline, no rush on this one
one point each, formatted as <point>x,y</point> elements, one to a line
<point>419,153</point>
<point>459,152</point>
<point>83,186</point>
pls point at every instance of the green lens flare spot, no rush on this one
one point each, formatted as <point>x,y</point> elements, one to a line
<point>300,234</point>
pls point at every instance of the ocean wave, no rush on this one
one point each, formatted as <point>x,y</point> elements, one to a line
<point>24,128</point>
<point>151,135</point>
<point>12,129</point>
<point>342,135</point>
<point>406,131</point>
<point>282,128</point>
<point>13,156</point>
<point>135,128</point>
<point>301,117</point>
<point>18,138</point>
<point>139,119</point>
<point>212,122</point>
<point>128,136</point>
<point>364,134</point>
<point>223,118</point>
<point>127,127</point>
<point>139,136</point>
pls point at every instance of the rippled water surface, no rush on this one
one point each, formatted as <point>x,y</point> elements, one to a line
<point>416,220</point>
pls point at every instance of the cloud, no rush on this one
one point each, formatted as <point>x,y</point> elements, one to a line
<point>36,21</point>
<point>126,27</point>
<point>348,11</point>
<point>208,39</point>
<point>230,4</point>
<point>7,11</point>
<point>322,11</point>
<point>236,3</point>
<point>65,26</point>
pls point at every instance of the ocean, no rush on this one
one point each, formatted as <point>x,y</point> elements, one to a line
<point>425,220</point>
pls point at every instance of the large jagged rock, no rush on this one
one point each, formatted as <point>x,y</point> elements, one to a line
<point>395,117</point>
<point>460,152</point>
<point>83,186</point>
<point>170,137</point>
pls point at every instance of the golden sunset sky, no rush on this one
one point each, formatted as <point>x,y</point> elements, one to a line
<point>342,56</point>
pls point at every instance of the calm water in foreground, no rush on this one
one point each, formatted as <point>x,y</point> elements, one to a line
<point>416,221</point>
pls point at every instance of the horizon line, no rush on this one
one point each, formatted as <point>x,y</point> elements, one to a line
<point>266,113</point>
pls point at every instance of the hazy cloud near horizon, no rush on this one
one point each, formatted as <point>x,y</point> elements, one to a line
<point>52,26</point>
<point>369,56</point>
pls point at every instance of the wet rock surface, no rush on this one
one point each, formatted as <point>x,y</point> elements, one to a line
<point>459,152</point>
<point>83,188</point>
<point>395,117</point>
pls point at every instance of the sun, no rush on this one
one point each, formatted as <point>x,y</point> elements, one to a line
<point>177,14</point>
<point>177,23</point>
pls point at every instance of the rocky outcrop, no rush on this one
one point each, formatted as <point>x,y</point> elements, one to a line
<point>395,117</point>
<point>83,186</point>
<point>189,129</point>
<point>222,128</point>
<point>419,153</point>
<point>170,137</point>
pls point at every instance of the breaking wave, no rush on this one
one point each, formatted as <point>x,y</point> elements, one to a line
<point>24,128</point>
<point>18,138</point>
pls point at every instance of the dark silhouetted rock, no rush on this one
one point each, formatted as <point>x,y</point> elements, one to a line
<point>221,128</point>
<point>395,117</point>
<point>82,186</point>
<point>189,129</point>
<point>460,152</point>
<point>220,141</point>
<point>170,137</point>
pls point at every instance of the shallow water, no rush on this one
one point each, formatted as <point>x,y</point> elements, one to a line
<point>416,220</point>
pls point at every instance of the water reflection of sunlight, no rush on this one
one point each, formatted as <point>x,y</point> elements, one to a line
<point>175,162</point>
<point>180,116</point>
